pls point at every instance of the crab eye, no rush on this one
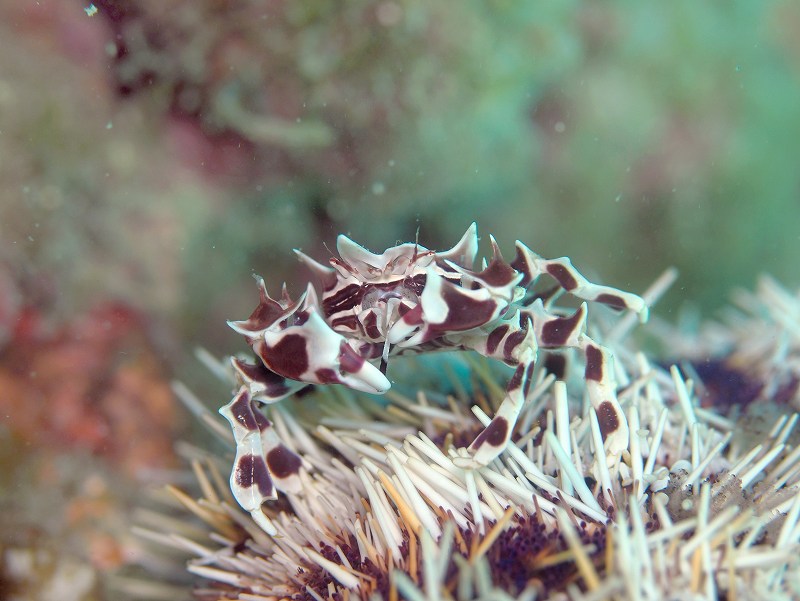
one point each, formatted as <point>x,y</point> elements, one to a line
<point>416,284</point>
<point>295,319</point>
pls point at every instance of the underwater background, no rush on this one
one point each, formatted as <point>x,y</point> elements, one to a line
<point>155,154</point>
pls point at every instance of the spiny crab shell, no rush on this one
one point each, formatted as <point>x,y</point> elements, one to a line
<point>410,299</point>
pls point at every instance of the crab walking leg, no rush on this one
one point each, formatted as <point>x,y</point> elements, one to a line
<point>602,387</point>
<point>283,463</point>
<point>553,331</point>
<point>493,439</point>
<point>516,342</point>
<point>570,279</point>
<point>513,342</point>
<point>251,482</point>
<point>263,384</point>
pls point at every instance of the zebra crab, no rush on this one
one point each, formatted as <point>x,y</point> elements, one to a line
<point>410,299</point>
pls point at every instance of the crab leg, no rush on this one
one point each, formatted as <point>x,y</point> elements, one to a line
<point>515,341</point>
<point>263,463</point>
<point>553,331</point>
<point>263,384</point>
<point>570,279</point>
<point>494,438</point>
<point>251,483</point>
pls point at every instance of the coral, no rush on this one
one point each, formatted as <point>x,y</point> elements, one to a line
<point>81,174</point>
<point>64,522</point>
<point>94,384</point>
<point>88,416</point>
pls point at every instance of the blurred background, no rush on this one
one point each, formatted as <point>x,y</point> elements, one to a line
<point>154,154</point>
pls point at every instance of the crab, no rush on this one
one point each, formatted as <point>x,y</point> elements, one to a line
<point>410,300</point>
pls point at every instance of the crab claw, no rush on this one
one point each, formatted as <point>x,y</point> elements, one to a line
<point>268,313</point>
<point>359,374</point>
<point>312,352</point>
